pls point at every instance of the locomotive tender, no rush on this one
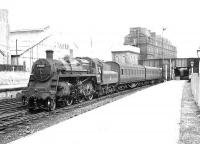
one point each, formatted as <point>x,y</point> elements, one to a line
<point>57,82</point>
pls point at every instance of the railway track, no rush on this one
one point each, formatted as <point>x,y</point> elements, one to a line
<point>12,109</point>
<point>7,101</point>
<point>10,105</point>
<point>22,117</point>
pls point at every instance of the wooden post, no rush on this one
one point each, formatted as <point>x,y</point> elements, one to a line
<point>170,70</point>
<point>166,72</point>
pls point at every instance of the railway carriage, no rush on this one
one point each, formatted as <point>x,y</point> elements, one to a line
<point>153,74</point>
<point>132,73</point>
<point>129,75</point>
<point>135,75</point>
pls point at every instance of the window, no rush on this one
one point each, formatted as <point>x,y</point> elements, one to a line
<point>99,70</point>
<point>93,65</point>
<point>122,72</point>
<point>116,58</point>
<point>134,59</point>
<point>124,59</point>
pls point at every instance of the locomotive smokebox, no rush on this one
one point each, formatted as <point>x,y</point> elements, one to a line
<point>49,54</point>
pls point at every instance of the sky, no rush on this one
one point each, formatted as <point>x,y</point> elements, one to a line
<point>107,22</point>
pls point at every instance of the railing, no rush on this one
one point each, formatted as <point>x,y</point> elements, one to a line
<point>7,67</point>
<point>195,87</point>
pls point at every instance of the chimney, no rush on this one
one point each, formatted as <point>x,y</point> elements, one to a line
<point>49,54</point>
<point>71,53</point>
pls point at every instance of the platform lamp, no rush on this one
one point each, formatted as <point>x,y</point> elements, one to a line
<point>192,65</point>
<point>198,54</point>
<point>192,70</point>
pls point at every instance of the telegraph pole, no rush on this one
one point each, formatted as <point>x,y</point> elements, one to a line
<point>16,46</point>
<point>17,58</point>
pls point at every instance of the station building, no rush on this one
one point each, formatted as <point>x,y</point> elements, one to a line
<point>126,55</point>
<point>25,45</point>
<point>28,45</point>
<point>152,46</point>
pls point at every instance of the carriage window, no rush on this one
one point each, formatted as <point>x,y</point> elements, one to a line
<point>93,65</point>
<point>122,71</point>
<point>99,70</point>
<point>117,58</point>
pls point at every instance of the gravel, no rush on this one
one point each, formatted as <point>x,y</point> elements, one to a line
<point>190,118</point>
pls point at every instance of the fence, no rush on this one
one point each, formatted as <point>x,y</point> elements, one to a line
<point>6,67</point>
<point>195,86</point>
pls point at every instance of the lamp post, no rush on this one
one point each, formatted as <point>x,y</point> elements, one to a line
<point>163,29</point>
<point>198,54</point>
<point>192,64</point>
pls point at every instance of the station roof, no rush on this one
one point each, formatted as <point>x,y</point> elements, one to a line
<point>125,51</point>
<point>2,53</point>
<point>126,48</point>
<point>36,30</point>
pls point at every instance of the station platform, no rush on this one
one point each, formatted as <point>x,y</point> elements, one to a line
<point>150,116</point>
<point>12,87</point>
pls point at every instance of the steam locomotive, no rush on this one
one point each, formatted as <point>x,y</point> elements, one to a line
<point>63,82</point>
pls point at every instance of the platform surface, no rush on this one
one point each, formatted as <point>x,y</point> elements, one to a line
<point>150,116</point>
<point>4,88</point>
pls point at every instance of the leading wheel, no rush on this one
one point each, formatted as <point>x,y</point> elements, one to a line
<point>69,101</point>
<point>51,104</point>
<point>80,99</point>
<point>89,97</point>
